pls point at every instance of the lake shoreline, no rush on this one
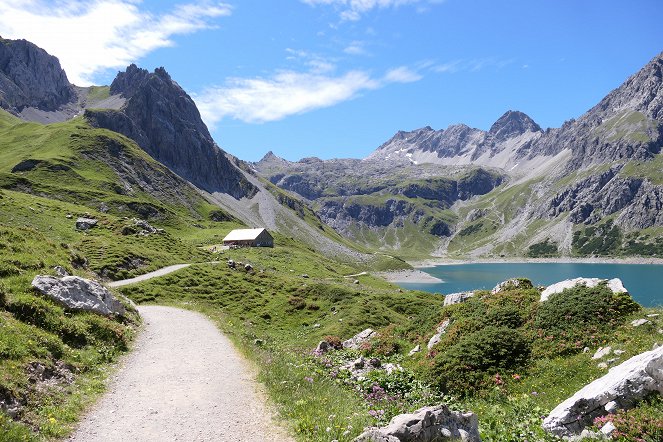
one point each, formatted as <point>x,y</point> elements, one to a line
<point>434,262</point>
<point>409,276</point>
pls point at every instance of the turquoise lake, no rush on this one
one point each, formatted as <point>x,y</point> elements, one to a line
<point>643,281</point>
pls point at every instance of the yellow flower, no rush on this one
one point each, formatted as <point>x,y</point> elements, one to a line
<point>52,420</point>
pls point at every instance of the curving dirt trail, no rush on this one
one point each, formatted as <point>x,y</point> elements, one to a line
<point>183,381</point>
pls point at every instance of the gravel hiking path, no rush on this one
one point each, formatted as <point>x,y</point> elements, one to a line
<point>154,274</point>
<point>183,381</point>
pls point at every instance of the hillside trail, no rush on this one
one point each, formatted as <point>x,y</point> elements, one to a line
<point>183,381</point>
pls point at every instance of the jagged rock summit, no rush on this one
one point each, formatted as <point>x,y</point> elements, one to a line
<point>30,77</point>
<point>163,119</point>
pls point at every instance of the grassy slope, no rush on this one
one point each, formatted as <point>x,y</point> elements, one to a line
<point>80,171</point>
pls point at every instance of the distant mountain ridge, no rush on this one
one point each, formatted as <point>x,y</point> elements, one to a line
<point>604,167</point>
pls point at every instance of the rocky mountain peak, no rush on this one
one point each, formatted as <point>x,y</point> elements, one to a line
<point>512,124</point>
<point>642,92</point>
<point>30,77</point>
<point>163,119</point>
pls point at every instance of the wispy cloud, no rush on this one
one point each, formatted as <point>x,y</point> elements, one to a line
<point>92,36</point>
<point>356,48</point>
<point>259,100</point>
<point>352,10</point>
<point>471,65</point>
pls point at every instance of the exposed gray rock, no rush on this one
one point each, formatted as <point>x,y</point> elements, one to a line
<point>60,271</point>
<point>512,284</point>
<point>86,223</point>
<point>441,329</point>
<point>639,322</point>
<point>614,284</point>
<point>77,293</point>
<point>355,342</point>
<point>428,424</point>
<point>163,119</point>
<point>457,298</point>
<point>625,385</point>
<point>30,77</point>
<point>416,349</point>
<point>322,348</point>
<point>602,351</point>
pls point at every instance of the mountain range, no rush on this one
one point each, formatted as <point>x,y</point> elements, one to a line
<point>594,186</point>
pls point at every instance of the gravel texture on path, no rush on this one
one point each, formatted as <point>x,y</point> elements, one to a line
<point>183,381</point>
<point>146,276</point>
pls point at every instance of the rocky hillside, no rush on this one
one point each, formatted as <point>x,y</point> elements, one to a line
<point>30,77</point>
<point>591,187</point>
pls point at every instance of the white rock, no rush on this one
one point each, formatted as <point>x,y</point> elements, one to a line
<point>77,293</point>
<point>441,329</point>
<point>86,223</point>
<point>611,407</point>
<point>602,351</point>
<point>427,424</point>
<point>625,384</point>
<point>361,337</point>
<point>416,349</point>
<point>608,428</point>
<point>619,352</point>
<point>639,322</point>
<point>457,298</point>
<point>613,284</point>
<point>602,365</point>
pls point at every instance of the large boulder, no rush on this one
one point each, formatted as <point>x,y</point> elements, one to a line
<point>85,223</point>
<point>355,342</point>
<point>621,388</point>
<point>457,298</point>
<point>76,293</point>
<point>428,424</point>
<point>613,284</point>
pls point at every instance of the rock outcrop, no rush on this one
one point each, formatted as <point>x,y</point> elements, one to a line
<point>30,77</point>
<point>457,298</point>
<point>428,424</point>
<point>76,293</point>
<point>355,342</point>
<point>614,284</point>
<point>165,122</point>
<point>510,284</point>
<point>622,388</point>
<point>441,329</point>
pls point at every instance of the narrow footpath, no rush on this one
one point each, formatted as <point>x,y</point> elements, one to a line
<point>183,381</point>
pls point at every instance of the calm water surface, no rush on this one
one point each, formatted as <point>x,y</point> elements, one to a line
<point>643,281</point>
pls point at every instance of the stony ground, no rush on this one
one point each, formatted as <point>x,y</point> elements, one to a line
<point>184,381</point>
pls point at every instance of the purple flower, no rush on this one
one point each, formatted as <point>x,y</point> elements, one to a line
<point>308,379</point>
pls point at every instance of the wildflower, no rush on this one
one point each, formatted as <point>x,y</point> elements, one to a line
<point>328,429</point>
<point>498,379</point>
<point>309,379</point>
<point>516,377</point>
<point>52,420</point>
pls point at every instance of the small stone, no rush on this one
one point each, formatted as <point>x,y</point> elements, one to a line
<point>611,407</point>
<point>602,351</point>
<point>585,350</point>
<point>258,342</point>
<point>602,365</point>
<point>612,361</point>
<point>305,276</point>
<point>60,271</point>
<point>653,315</point>
<point>323,347</point>
<point>416,349</point>
<point>608,428</point>
<point>374,362</point>
<point>356,281</point>
<point>639,322</point>
<point>619,352</point>
<point>86,223</point>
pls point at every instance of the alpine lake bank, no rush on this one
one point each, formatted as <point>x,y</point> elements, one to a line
<point>277,310</point>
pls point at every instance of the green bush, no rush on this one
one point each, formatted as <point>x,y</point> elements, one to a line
<point>544,249</point>
<point>578,317</point>
<point>467,365</point>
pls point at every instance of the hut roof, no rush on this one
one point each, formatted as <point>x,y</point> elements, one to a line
<point>243,234</point>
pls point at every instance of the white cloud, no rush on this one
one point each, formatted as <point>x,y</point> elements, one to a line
<point>355,48</point>
<point>402,74</point>
<point>90,37</point>
<point>352,10</point>
<point>471,65</point>
<point>259,100</point>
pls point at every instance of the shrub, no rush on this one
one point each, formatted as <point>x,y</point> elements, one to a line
<point>386,342</point>
<point>334,341</point>
<point>466,366</point>
<point>296,303</point>
<point>578,317</point>
<point>642,424</point>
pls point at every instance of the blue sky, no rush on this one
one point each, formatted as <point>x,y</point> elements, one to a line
<point>336,78</point>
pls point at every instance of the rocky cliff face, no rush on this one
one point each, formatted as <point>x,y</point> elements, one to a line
<point>165,122</point>
<point>30,77</point>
